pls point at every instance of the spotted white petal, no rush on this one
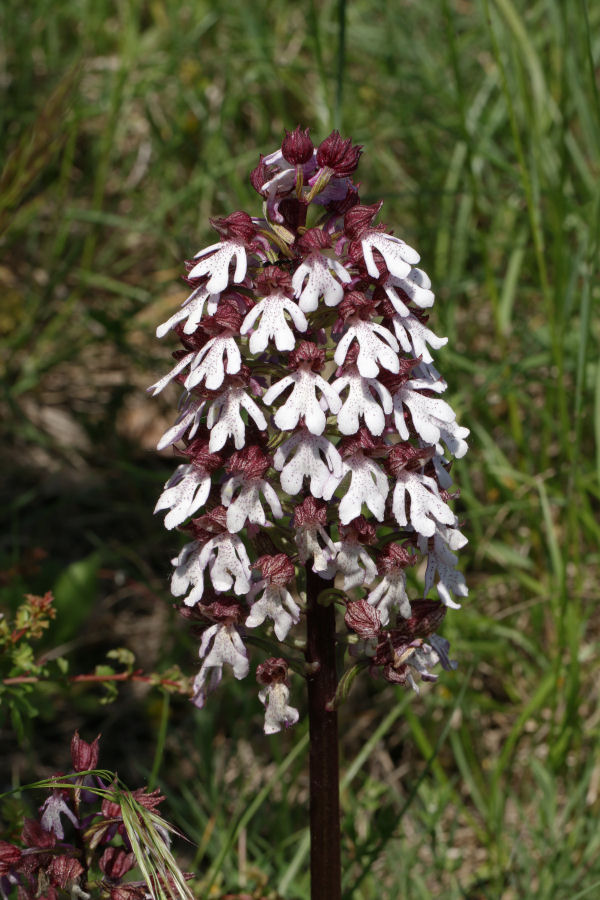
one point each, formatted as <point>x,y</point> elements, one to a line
<point>228,563</point>
<point>415,285</point>
<point>278,712</point>
<point>361,401</point>
<point>316,272</point>
<point>398,256</point>
<point>216,266</point>
<point>277,604</point>
<point>322,551</point>
<point>426,506</point>
<point>246,507</point>
<point>355,564</point>
<point>312,457</point>
<point>390,596</point>
<point>188,574</point>
<point>373,352</point>
<point>273,324</point>
<point>302,401</point>
<point>221,645</point>
<point>160,385</point>
<point>442,562</point>
<point>368,484</point>
<point>184,493</point>
<point>219,355</point>
<point>187,421</point>
<point>414,337</point>
<point>225,420</point>
<point>192,309</point>
<point>433,419</point>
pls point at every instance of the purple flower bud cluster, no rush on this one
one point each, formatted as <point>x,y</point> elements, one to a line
<point>77,839</point>
<point>313,431</point>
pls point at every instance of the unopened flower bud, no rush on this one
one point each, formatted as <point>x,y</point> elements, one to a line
<point>362,618</point>
<point>9,857</point>
<point>83,755</point>
<point>297,147</point>
<point>115,863</point>
<point>64,870</point>
<point>338,154</point>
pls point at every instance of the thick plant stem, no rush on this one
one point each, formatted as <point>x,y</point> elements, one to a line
<point>325,858</point>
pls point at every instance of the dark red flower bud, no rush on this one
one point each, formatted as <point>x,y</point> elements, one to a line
<point>363,441</point>
<point>425,619</point>
<point>363,618</point>
<point>116,862</point>
<point>236,227</point>
<point>228,315</point>
<point>313,239</point>
<point>64,870</point>
<point>128,892</point>
<point>307,352</point>
<point>310,512</point>
<point>33,835</point>
<point>338,154</point>
<point>278,569</point>
<point>84,756</point>
<point>214,521</point>
<point>9,857</point>
<point>200,456</point>
<point>359,219</point>
<point>250,461</point>
<point>359,530</point>
<point>259,176</point>
<point>297,147</point>
<point>272,671</point>
<point>395,557</point>
<point>148,799</point>
<point>397,675</point>
<point>225,610</point>
<point>273,280</point>
<point>111,809</point>
<point>394,381</point>
<point>405,456</point>
<point>356,303</point>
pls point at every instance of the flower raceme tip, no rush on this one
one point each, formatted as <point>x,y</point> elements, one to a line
<point>313,429</point>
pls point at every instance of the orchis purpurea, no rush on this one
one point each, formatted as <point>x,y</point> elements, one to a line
<point>312,429</point>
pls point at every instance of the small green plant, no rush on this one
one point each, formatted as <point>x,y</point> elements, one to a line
<point>26,675</point>
<point>91,838</point>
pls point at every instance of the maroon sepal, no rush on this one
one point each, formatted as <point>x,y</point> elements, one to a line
<point>310,512</point>
<point>297,147</point>
<point>363,618</point>
<point>277,569</point>
<point>338,154</point>
<point>272,671</point>
<point>307,352</point>
<point>84,756</point>
<point>359,219</point>
<point>238,226</point>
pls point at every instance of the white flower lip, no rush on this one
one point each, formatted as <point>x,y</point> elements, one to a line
<point>216,266</point>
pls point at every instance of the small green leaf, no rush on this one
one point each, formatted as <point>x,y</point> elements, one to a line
<point>123,656</point>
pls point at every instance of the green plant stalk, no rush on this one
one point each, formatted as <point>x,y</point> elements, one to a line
<point>325,852</point>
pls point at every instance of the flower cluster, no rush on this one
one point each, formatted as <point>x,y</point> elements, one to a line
<point>313,430</point>
<point>79,840</point>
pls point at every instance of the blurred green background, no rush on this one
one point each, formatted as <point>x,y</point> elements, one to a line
<point>124,125</point>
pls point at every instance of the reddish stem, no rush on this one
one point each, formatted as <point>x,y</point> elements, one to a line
<point>97,679</point>
<point>325,856</point>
